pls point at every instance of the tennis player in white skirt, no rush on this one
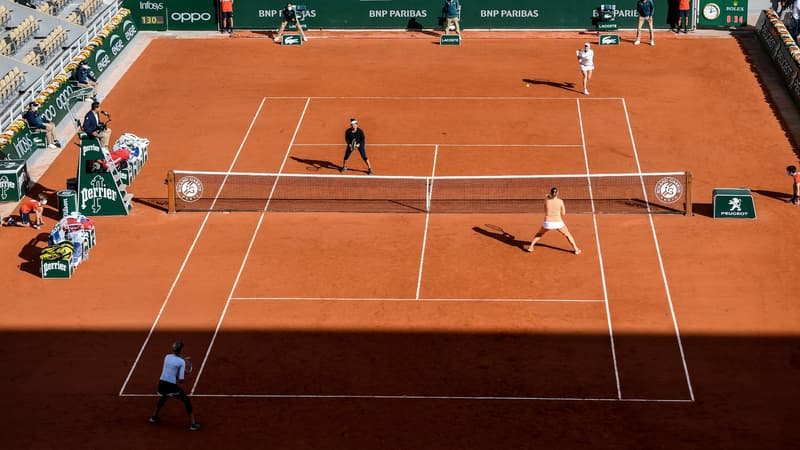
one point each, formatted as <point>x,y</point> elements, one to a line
<point>554,210</point>
<point>586,63</point>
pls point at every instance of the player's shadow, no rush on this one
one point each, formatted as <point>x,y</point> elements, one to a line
<point>703,209</point>
<point>782,196</point>
<point>566,85</point>
<point>316,164</point>
<point>30,254</point>
<point>416,27</point>
<point>509,239</point>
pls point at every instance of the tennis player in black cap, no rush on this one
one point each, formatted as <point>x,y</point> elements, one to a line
<point>354,137</point>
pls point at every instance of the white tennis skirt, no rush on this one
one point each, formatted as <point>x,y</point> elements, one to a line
<point>552,225</point>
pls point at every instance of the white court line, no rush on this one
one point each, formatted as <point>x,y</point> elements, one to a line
<point>600,256</point>
<point>249,248</point>
<point>435,397</point>
<point>448,98</point>
<point>433,300</point>
<point>427,221</point>
<point>451,145</point>
<point>189,253</point>
<point>660,261</point>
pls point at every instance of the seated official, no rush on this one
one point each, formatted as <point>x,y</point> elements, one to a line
<point>83,76</point>
<point>37,122</point>
<point>94,127</point>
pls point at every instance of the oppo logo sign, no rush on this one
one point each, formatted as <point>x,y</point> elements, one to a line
<point>62,101</point>
<point>49,113</point>
<point>190,17</point>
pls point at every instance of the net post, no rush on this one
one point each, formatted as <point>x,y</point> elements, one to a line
<point>171,192</point>
<point>688,194</point>
<point>428,193</point>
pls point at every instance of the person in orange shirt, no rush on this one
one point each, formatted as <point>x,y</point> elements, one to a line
<point>683,15</point>
<point>226,7</point>
<point>35,207</point>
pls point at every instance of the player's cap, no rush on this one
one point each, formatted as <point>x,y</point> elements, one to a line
<point>353,122</point>
<point>33,104</point>
<point>791,169</point>
<point>587,45</point>
<point>84,64</point>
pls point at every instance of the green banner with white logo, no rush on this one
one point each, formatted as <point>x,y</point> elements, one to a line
<point>108,47</point>
<point>20,145</point>
<point>386,14</point>
<point>192,14</point>
<point>722,13</point>
<point>160,15</point>
<point>149,15</point>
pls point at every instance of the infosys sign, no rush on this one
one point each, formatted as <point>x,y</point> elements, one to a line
<point>191,15</point>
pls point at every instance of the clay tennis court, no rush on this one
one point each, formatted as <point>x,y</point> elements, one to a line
<point>388,330</point>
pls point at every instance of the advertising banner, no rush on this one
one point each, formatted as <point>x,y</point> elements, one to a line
<point>149,15</point>
<point>385,14</point>
<point>193,14</point>
<point>723,13</point>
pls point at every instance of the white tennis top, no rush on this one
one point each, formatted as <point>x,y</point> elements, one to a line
<point>174,369</point>
<point>586,58</point>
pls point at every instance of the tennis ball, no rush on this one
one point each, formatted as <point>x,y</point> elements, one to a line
<point>527,85</point>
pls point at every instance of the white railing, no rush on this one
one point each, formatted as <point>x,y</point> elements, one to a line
<point>56,66</point>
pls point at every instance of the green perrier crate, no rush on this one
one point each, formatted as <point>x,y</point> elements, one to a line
<point>291,39</point>
<point>61,268</point>
<point>733,203</point>
<point>449,39</point>
<point>14,180</point>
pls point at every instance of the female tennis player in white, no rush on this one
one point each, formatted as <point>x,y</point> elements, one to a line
<point>553,211</point>
<point>586,62</point>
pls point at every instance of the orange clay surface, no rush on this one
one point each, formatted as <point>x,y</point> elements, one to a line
<point>393,331</point>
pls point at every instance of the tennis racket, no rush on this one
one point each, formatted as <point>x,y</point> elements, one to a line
<point>353,144</point>
<point>188,360</point>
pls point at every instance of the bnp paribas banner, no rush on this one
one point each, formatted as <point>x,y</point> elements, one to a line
<point>414,14</point>
<point>385,14</point>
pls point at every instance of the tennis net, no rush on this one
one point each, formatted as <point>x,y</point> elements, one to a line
<point>620,193</point>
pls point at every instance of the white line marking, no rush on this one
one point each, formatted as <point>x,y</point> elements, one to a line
<point>661,262</point>
<point>247,253</point>
<point>434,397</point>
<point>449,145</point>
<point>361,299</point>
<point>429,194</point>
<point>188,254</point>
<point>600,257</point>
<point>449,98</point>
